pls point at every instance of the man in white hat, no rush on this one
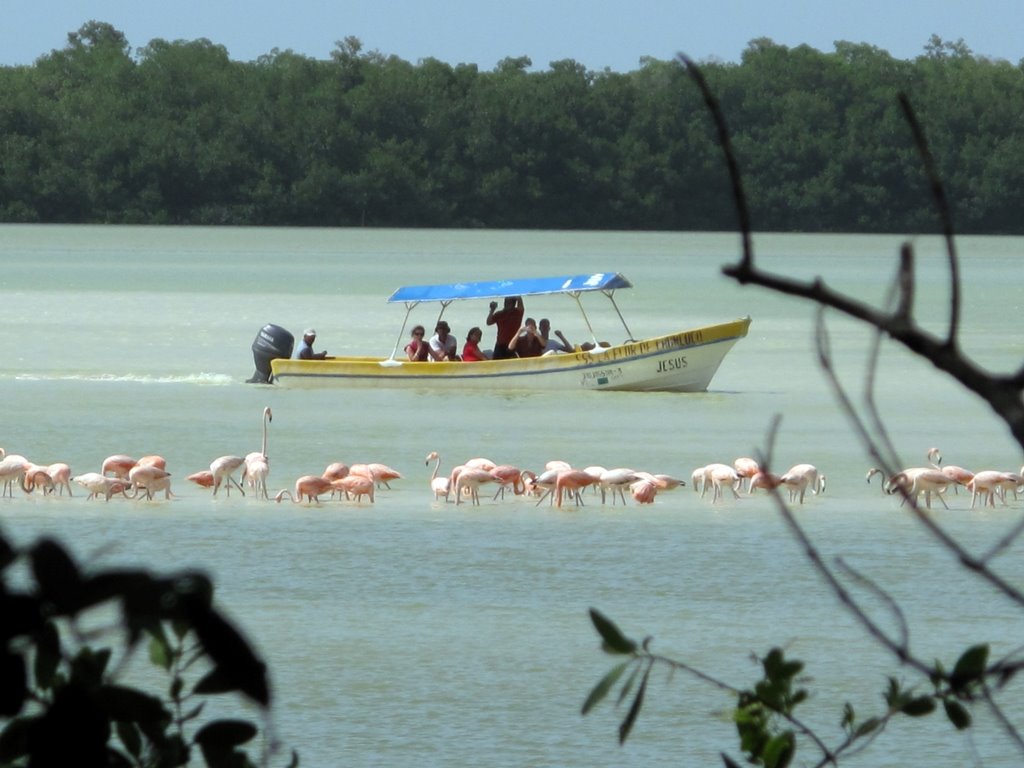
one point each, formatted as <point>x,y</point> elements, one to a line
<point>306,347</point>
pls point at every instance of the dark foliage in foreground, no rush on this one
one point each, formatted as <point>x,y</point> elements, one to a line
<point>61,658</point>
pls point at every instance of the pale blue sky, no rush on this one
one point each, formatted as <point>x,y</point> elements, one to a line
<point>598,34</point>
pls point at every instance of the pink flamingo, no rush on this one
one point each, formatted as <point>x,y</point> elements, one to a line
<point>61,475</point>
<point>572,480</point>
<point>506,475</point>
<point>203,478</point>
<point>151,480</point>
<point>643,491</point>
<point>152,461</point>
<point>480,463</point>
<point>12,468</point>
<point>912,482</point>
<point>117,465</point>
<point>761,479</point>
<point>472,478</point>
<point>355,486</point>
<point>309,486</point>
<point>616,481</point>
<point>746,468</point>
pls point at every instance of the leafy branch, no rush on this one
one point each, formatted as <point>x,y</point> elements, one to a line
<point>768,729</point>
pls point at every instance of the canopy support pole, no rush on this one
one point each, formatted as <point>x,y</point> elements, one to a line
<point>409,307</point>
<point>611,298</point>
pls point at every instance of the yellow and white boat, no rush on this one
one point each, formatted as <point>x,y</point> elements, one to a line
<point>682,361</point>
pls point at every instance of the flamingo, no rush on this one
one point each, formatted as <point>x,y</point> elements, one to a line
<point>472,478</point>
<point>959,475</point>
<point>117,465</point>
<point>990,483</point>
<point>716,477</point>
<point>309,486</point>
<point>150,479</point>
<point>643,491</point>
<point>257,465</point>
<point>506,475</point>
<point>335,471</point>
<point>222,469</point>
<point>37,477</point>
<point>546,481</point>
<point>61,475</point>
<point>480,463</point>
<point>761,479</point>
<point>439,485</point>
<point>203,478</point>
<point>801,477</point>
<point>572,480</point>
<point>914,481</point>
<point>746,468</point>
<point>100,485</point>
<point>355,486</point>
<point>12,468</point>
<point>381,473</point>
<point>616,480</point>
<point>152,461</point>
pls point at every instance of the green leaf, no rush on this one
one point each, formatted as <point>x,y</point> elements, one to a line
<point>922,705</point>
<point>160,652</point>
<point>627,724</point>
<point>969,667</point>
<point>957,714</point>
<point>614,640</point>
<point>868,726</point>
<point>779,751</point>
<point>601,689</point>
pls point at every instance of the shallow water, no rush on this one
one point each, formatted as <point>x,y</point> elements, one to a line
<point>409,632</point>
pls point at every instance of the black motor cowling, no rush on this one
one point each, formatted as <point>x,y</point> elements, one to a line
<point>271,342</point>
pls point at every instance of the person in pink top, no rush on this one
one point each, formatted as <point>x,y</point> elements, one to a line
<point>471,352</point>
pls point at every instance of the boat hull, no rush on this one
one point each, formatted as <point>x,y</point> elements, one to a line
<point>679,362</point>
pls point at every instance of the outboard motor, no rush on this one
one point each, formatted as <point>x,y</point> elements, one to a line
<point>272,342</point>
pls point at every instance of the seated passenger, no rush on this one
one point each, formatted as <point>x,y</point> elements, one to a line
<point>471,352</point>
<point>417,347</point>
<point>527,342</point>
<point>551,345</point>
<point>443,345</point>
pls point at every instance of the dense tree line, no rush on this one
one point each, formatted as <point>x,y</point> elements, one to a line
<point>178,133</point>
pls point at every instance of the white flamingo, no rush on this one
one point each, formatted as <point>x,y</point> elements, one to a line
<point>222,469</point>
<point>439,485</point>
<point>257,465</point>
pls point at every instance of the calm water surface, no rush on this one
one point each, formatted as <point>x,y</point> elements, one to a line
<point>411,633</point>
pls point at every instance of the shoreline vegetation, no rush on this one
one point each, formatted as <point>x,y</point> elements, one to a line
<point>178,133</point>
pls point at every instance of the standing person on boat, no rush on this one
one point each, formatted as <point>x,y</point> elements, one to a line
<point>561,344</point>
<point>471,352</point>
<point>528,342</point>
<point>417,347</point>
<point>443,345</point>
<point>306,347</point>
<point>508,319</point>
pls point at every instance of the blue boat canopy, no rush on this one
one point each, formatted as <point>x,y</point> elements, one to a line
<point>535,286</point>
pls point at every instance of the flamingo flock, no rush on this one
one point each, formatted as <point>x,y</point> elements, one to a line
<point>480,479</point>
